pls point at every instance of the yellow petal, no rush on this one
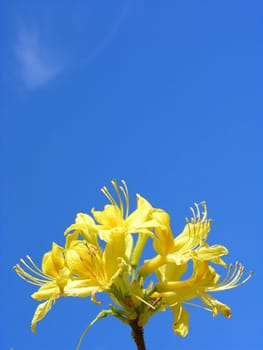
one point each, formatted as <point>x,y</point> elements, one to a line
<point>141,214</point>
<point>211,252</point>
<point>215,305</point>
<point>86,227</point>
<point>46,291</point>
<point>151,265</point>
<point>53,261</point>
<point>204,275</point>
<point>115,251</point>
<point>171,272</point>
<point>85,262</point>
<point>163,242</point>
<point>110,217</point>
<point>81,288</point>
<point>181,320</point>
<point>48,266</point>
<point>76,264</point>
<point>82,219</point>
<point>176,291</point>
<point>73,237</point>
<point>57,256</point>
<point>40,313</point>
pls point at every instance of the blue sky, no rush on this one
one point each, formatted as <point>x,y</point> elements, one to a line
<point>166,95</point>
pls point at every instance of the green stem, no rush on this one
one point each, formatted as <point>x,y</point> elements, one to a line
<point>137,334</point>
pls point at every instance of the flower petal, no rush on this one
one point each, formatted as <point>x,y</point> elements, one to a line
<point>181,320</point>
<point>40,313</point>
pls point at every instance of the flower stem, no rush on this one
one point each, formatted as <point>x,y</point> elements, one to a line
<point>137,334</point>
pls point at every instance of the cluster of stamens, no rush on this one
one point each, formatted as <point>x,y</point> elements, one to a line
<point>125,193</point>
<point>232,279</point>
<point>38,278</point>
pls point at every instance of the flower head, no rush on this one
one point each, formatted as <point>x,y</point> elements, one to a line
<point>176,292</point>
<point>102,254</point>
<point>188,245</point>
<point>93,269</point>
<point>115,219</point>
<point>51,279</point>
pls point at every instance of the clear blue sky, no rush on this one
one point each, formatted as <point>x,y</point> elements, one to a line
<point>166,95</point>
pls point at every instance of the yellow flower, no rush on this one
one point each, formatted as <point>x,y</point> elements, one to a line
<point>94,270</point>
<point>115,218</point>
<point>189,244</point>
<point>175,292</point>
<point>52,280</point>
<point>100,256</point>
<point>115,221</point>
<point>86,227</point>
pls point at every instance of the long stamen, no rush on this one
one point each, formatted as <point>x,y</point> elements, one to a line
<point>35,265</point>
<point>204,218</point>
<point>232,280</point>
<point>197,305</point>
<point>37,271</point>
<point>194,239</point>
<point>193,220</point>
<point>227,274</point>
<point>198,212</point>
<point>207,299</point>
<point>116,187</point>
<point>195,231</point>
<point>105,191</point>
<point>125,191</point>
<point>27,277</point>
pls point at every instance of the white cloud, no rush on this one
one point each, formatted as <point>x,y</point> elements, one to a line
<point>36,64</point>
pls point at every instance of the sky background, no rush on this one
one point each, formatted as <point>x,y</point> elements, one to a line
<point>166,95</point>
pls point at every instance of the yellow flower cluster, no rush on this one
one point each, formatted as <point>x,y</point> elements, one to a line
<point>102,253</point>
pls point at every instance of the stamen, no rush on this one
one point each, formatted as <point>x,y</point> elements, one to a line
<point>198,212</point>
<point>174,304</point>
<point>194,240</point>
<point>27,277</point>
<point>32,262</point>
<point>116,187</point>
<point>193,219</point>
<point>28,281</point>
<point>208,299</point>
<point>144,301</point>
<point>105,191</point>
<point>156,301</point>
<point>232,280</point>
<point>94,268</point>
<point>227,274</point>
<point>197,305</point>
<point>126,196</point>
<point>195,231</point>
<point>37,272</point>
<point>204,218</point>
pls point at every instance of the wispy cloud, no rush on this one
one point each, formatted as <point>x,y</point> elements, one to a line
<point>36,63</point>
